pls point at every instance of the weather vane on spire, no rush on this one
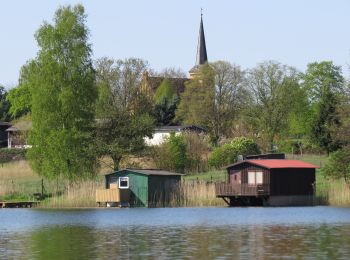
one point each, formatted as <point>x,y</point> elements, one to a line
<point>201,12</point>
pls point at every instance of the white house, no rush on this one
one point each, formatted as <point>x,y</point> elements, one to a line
<point>161,133</point>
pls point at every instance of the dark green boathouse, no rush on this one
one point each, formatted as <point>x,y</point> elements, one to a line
<point>146,187</point>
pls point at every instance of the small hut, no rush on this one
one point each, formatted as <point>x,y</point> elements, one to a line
<point>271,182</point>
<point>139,188</point>
<point>17,134</point>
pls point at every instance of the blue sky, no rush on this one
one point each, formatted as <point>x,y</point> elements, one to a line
<point>293,32</point>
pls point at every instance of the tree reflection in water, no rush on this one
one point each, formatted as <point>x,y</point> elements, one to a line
<point>197,242</point>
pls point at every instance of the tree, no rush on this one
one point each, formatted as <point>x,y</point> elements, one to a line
<point>273,87</point>
<point>170,73</point>
<point>338,165</point>
<point>197,102</point>
<point>227,153</point>
<point>20,97</point>
<point>4,105</point>
<point>122,121</point>
<point>172,154</point>
<point>63,93</point>
<point>213,98</point>
<point>231,95</point>
<point>341,133</point>
<point>325,85</point>
<point>165,103</point>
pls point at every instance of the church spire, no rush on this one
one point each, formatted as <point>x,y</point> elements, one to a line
<point>201,57</point>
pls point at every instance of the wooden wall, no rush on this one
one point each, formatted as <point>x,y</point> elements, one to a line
<point>245,168</point>
<point>291,181</point>
<point>294,181</point>
<point>162,189</point>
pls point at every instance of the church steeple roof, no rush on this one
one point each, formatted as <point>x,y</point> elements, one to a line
<point>201,48</point>
<point>201,56</point>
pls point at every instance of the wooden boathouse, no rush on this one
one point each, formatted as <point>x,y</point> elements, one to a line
<point>139,188</point>
<point>270,182</point>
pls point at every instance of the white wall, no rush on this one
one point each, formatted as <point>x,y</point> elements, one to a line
<point>158,138</point>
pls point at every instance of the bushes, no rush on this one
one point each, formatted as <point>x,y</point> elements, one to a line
<point>227,153</point>
<point>171,155</point>
<point>186,152</point>
<point>7,155</point>
<point>338,166</point>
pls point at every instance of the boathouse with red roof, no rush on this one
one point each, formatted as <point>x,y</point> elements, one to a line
<point>270,182</point>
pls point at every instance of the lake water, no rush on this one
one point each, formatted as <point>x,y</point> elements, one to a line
<point>176,233</point>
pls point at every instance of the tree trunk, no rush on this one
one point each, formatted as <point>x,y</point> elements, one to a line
<point>116,161</point>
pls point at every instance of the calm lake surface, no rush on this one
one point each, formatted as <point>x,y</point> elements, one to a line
<point>176,233</point>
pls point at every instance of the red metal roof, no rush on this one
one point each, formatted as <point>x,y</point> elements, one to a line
<point>281,163</point>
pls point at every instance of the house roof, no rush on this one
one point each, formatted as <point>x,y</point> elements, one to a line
<point>150,172</point>
<point>3,123</point>
<point>278,164</point>
<point>20,126</point>
<point>201,56</point>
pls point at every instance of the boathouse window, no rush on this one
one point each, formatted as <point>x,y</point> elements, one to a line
<point>123,182</point>
<point>255,178</point>
<point>259,177</point>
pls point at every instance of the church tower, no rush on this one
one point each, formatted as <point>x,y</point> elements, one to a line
<point>201,57</point>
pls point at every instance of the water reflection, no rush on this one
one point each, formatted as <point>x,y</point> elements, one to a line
<point>92,240</point>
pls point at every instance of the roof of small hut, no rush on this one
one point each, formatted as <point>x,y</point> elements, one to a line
<point>277,164</point>
<point>149,172</point>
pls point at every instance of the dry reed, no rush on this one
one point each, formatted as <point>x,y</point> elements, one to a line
<point>333,192</point>
<point>196,194</point>
<point>81,194</point>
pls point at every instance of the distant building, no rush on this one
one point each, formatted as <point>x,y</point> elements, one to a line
<point>149,84</point>
<point>17,134</point>
<point>161,133</point>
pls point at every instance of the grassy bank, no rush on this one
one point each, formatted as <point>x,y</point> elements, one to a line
<point>18,182</point>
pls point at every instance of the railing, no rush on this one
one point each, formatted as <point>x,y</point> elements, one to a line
<point>226,189</point>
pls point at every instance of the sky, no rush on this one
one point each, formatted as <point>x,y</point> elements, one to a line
<point>244,32</point>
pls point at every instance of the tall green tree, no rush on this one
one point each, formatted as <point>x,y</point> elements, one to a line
<point>5,114</point>
<point>197,102</point>
<point>63,93</point>
<point>165,103</point>
<point>20,97</point>
<point>122,120</point>
<point>273,87</point>
<point>325,86</point>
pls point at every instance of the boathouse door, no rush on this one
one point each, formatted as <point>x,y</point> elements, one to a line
<point>235,177</point>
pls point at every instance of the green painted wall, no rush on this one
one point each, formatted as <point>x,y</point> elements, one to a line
<point>138,185</point>
<point>148,190</point>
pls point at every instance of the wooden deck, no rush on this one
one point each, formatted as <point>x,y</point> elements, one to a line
<point>18,204</point>
<point>229,190</point>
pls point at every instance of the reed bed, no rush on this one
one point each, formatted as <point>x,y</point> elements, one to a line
<point>197,194</point>
<point>187,194</point>
<point>76,195</point>
<point>333,192</point>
